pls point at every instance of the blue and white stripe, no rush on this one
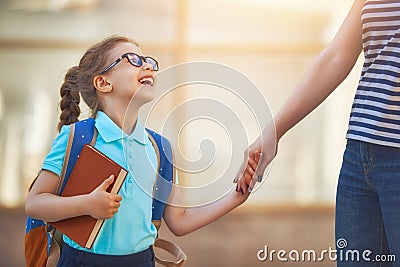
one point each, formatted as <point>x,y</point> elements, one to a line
<point>375,115</point>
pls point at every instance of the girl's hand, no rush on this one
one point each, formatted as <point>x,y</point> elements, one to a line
<point>267,144</point>
<point>101,204</point>
<point>246,179</point>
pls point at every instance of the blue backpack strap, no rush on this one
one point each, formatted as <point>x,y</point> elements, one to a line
<point>83,134</point>
<point>32,223</point>
<point>165,176</point>
<point>161,191</point>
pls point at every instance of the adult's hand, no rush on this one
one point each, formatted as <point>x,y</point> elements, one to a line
<point>266,145</point>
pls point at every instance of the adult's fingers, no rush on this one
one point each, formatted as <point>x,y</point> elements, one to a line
<point>262,165</point>
<point>257,177</point>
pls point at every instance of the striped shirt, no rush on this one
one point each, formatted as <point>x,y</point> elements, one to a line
<point>375,114</point>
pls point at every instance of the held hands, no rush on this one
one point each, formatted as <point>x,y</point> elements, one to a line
<point>245,180</point>
<point>266,146</point>
<point>101,204</point>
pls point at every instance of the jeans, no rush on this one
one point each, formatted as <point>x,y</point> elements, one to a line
<point>368,206</point>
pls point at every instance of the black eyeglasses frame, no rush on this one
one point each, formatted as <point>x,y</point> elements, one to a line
<point>129,56</point>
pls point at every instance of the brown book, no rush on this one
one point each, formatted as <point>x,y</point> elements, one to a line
<point>90,170</point>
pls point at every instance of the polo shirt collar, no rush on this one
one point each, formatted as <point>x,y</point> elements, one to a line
<point>110,132</point>
<point>140,134</point>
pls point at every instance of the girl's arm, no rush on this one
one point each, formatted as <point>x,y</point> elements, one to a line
<point>182,221</point>
<point>43,204</point>
<point>328,70</point>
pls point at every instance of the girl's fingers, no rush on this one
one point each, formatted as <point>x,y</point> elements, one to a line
<point>117,198</point>
<point>240,171</point>
<point>252,163</point>
<point>242,184</point>
<point>251,170</point>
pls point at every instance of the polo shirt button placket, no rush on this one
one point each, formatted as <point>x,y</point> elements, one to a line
<point>130,152</point>
<point>129,185</point>
<point>130,160</point>
<point>129,188</point>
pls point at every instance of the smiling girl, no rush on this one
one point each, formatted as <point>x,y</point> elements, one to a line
<point>115,79</point>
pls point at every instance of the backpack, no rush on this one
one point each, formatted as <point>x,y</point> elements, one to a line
<point>43,243</point>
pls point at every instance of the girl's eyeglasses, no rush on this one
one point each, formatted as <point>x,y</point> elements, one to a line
<point>135,60</point>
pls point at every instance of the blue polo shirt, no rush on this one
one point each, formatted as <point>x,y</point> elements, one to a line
<point>130,230</point>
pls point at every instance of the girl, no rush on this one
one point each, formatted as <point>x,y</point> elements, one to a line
<point>368,192</point>
<point>109,75</point>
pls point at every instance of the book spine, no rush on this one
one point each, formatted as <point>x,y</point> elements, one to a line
<point>93,234</point>
<point>118,181</point>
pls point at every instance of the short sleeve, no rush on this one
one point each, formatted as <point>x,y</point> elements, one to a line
<point>176,181</point>
<point>55,159</point>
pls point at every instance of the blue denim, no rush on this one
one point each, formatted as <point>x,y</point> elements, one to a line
<point>368,206</point>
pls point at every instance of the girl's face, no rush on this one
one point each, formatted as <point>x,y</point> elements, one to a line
<point>129,81</point>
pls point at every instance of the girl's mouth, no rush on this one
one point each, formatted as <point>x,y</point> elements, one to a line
<point>147,81</point>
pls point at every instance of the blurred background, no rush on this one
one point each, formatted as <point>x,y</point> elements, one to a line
<point>272,42</point>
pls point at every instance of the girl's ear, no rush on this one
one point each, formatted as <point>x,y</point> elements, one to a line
<point>101,84</point>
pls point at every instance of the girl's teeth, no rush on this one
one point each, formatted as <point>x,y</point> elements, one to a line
<point>148,81</point>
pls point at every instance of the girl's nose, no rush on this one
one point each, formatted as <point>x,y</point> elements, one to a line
<point>147,66</point>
